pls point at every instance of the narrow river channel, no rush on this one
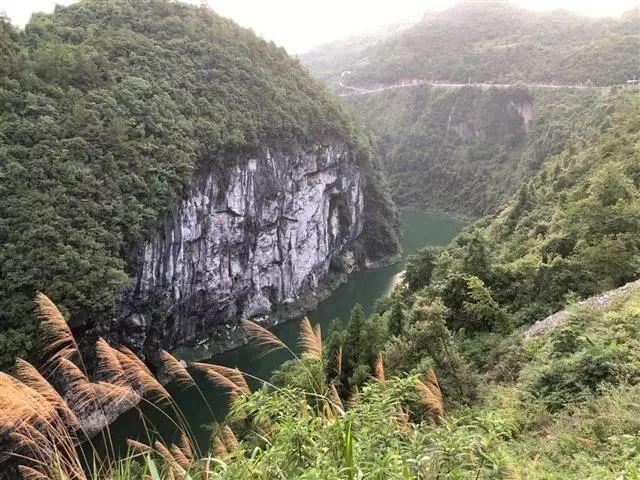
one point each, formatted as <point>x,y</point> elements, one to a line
<point>365,287</point>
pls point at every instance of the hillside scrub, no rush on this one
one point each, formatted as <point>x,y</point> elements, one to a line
<point>569,410</point>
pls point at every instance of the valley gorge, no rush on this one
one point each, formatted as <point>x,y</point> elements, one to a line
<point>467,150</point>
<point>408,254</point>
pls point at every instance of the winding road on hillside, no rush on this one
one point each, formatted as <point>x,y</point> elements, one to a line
<point>440,84</point>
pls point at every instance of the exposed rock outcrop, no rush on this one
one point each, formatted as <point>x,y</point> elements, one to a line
<point>259,234</point>
<point>602,300</point>
<point>525,108</point>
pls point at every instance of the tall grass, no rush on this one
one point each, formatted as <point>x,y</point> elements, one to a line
<point>44,412</point>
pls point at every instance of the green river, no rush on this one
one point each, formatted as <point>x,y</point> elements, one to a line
<point>364,287</point>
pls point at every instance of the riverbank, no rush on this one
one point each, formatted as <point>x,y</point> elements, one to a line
<point>230,336</point>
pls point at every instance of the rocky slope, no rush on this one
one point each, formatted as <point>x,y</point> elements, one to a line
<point>243,242</point>
<point>601,301</point>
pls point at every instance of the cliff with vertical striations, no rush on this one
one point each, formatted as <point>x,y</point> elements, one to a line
<point>244,242</point>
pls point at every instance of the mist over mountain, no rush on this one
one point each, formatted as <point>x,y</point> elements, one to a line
<point>491,43</point>
<point>467,104</point>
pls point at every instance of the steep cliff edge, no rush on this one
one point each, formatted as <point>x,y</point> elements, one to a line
<point>242,243</point>
<point>132,121</point>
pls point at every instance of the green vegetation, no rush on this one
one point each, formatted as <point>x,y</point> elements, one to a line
<point>466,150</point>
<point>497,43</point>
<point>327,61</point>
<point>108,110</point>
<point>569,233</point>
<point>446,378</point>
<point>563,405</point>
<point>440,380</point>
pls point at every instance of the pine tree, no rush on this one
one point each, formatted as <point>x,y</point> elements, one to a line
<point>333,353</point>
<point>476,261</point>
<point>395,323</point>
<point>354,345</point>
<point>420,268</point>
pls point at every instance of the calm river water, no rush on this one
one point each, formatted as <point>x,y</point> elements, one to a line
<point>365,287</point>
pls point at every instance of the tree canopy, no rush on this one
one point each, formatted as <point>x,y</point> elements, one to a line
<point>492,42</point>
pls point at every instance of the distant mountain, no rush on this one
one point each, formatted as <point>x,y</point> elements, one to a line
<point>493,42</point>
<point>329,60</point>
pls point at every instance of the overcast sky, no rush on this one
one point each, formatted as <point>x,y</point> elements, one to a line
<point>299,25</point>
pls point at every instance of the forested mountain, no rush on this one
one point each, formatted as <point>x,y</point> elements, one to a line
<point>570,232</point>
<point>329,60</point>
<point>108,112</point>
<point>495,43</point>
<point>465,149</point>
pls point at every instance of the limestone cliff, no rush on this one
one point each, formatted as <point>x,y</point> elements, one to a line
<point>247,238</point>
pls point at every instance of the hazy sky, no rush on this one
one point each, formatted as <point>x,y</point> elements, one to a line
<point>301,24</point>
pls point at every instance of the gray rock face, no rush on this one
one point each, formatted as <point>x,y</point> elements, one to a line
<point>598,302</point>
<point>244,241</point>
<point>525,109</point>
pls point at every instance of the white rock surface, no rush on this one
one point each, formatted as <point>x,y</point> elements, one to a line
<point>245,240</point>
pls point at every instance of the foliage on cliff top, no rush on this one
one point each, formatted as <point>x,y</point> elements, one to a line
<point>492,42</point>
<point>107,111</point>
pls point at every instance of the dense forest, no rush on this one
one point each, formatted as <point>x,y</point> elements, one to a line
<point>466,150</point>
<point>108,110</point>
<point>494,42</point>
<point>569,233</point>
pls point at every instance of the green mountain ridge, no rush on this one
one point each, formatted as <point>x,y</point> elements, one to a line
<point>558,405</point>
<point>495,42</point>
<point>109,110</point>
<point>553,174</point>
<point>467,149</point>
